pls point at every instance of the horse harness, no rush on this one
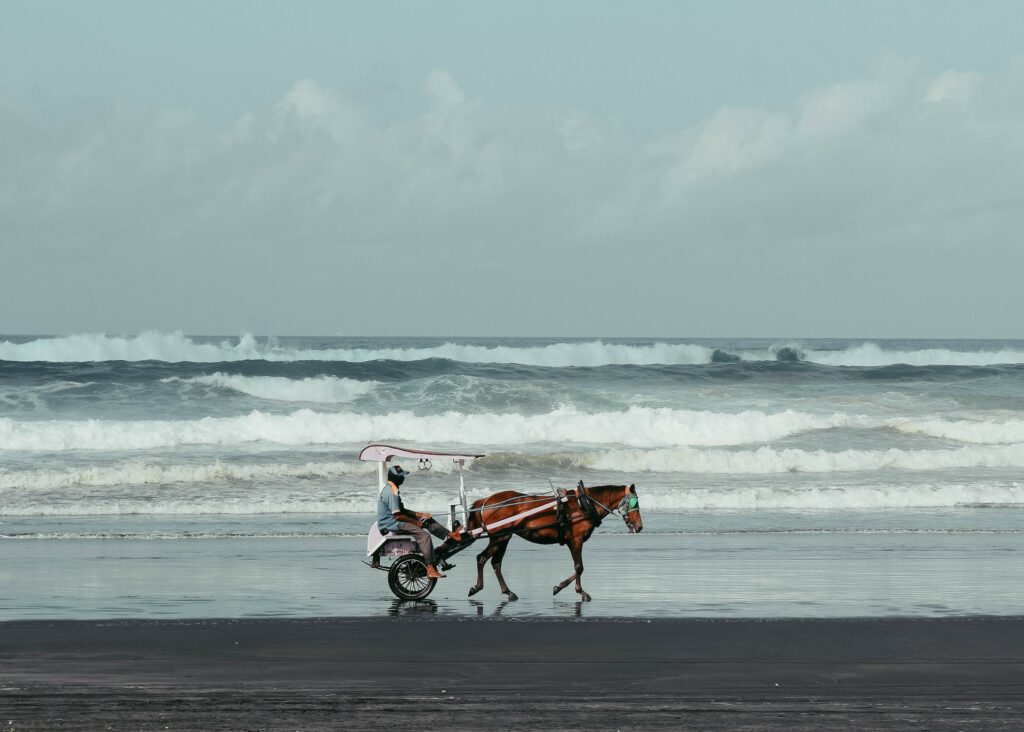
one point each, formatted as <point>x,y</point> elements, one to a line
<point>587,502</point>
<point>565,517</point>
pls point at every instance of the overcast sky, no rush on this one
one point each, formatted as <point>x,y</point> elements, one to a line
<point>777,169</point>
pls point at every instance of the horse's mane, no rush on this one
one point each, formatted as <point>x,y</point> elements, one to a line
<point>618,487</point>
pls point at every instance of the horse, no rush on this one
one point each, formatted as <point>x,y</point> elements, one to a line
<point>570,523</point>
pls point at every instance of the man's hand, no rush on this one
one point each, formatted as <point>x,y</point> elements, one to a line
<point>413,517</point>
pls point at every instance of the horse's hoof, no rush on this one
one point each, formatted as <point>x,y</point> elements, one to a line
<point>584,597</point>
<point>512,596</point>
<point>474,590</point>
<point>555,590</point>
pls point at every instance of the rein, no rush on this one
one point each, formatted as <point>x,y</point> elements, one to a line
<point>629,501</point>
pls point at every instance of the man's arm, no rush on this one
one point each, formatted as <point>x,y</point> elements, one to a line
<point>400,512</point>
<point>410,516</point>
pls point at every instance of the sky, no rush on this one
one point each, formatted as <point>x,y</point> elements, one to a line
<point>732,169</point>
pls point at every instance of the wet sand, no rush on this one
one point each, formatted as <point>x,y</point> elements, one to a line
<point>425,671</point>
<point>740,574</point>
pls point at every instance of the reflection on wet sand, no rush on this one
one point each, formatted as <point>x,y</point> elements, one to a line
<point>658,576</point>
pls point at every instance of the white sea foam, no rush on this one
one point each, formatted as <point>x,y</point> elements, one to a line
<point>638,427</point>
<point>189,506</point>
<point>175,347</point>
<point>322,389</point>
<point>990,431</point>
<point>644,427</point>
<point>668,500</point>
<point>143,473</point>
<point>871,354</point>
<point>173,535</point>
<point>833,498</point>
<point>769,460</point>
<point>762,461</point>
<point>148,346</point>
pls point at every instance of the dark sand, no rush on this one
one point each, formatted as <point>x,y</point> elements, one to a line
<point>429,673</point>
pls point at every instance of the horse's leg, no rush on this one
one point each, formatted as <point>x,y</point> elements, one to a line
<point>576,549</point>
<point>481,560</point>
<point>499,553</point>
<point>563,584</point>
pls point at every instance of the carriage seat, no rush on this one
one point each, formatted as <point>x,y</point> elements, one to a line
<point>375,539</point>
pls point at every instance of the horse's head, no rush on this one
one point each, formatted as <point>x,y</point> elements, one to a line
<point>629,508</point>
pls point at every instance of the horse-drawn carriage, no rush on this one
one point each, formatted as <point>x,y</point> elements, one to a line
<point>566,517</point>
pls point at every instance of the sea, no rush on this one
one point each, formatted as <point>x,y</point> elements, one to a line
<point>164,475</point>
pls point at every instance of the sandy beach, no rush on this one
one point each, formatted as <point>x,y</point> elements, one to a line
<point>359,673</point>
<point>653,575</point>
<point>834,542</point>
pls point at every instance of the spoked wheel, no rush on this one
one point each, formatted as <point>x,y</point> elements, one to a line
<point>408,578</point>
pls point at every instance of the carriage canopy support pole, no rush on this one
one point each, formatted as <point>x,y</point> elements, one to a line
<point>462,490</point>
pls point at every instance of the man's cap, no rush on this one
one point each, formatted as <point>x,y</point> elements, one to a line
<point>396,470</point>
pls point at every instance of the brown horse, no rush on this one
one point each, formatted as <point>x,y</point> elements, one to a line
<point>571,524</point>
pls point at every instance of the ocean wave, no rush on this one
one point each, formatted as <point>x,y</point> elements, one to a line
<point>322,389</point>
<point>762,461</point>
<point>148,346</point>
<point>666,500</point>
<point>979,431</point>
<point>187,506</point>
<point>176,347</point>
<point>143,473</point>
<point>641,427</point>
<point>834,498</point>
<point>171,535</point>
<point>637,427</point>
<point>871,354</point>
<point>769,460</point>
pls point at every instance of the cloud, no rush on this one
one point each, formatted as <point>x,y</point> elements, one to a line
<point>952,86</point>
<point>849,213</point>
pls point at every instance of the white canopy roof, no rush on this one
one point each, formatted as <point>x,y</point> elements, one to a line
<point>383,453</point>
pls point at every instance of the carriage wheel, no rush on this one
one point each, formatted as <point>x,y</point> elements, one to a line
<point>408,578</point>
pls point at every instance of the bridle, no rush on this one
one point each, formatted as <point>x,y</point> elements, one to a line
<point>629,504</point>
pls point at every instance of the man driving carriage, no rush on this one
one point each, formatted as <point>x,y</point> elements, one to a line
<point>392,515</point>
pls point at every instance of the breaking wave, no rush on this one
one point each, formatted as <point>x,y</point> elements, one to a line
<point>192,506</point>
<point>973,431</point>
<point>762,461</point>
<point>765,498</point>
<point>768,497</point>
<point>769,460</point>
<point>637,427</point>
<point>176,347</point>
<point>322,389</point>
<point>143,473</point>
<point>870,354</point>
<point>640,427</point>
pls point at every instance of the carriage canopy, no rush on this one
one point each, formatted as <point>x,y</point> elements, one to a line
<point>384,453</point>
<point>381,454</point>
